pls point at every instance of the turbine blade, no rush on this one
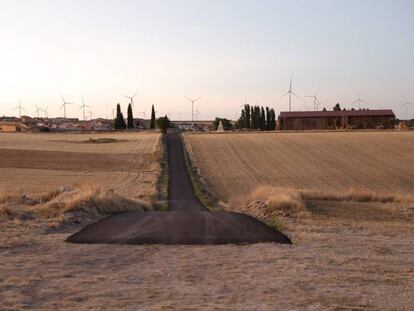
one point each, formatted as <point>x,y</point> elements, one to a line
<point>284,95</point>
<point>301,99</point>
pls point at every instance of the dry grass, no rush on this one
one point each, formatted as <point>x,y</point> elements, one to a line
<point>63,206</point>
<point>356,195</point>
<point>268,202</point>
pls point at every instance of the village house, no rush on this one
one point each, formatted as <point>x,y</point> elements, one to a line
<point>10,127</point>
<point>333,120</point>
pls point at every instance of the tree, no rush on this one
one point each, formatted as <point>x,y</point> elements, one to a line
<point>337,107</point>
<point>226,123</point>
<point>130,117</point>
<point>272,125</point>
<point>247,115</point>
<point>324,109</point>
<point>119,120</point>
<point>152,123</point>
<point>262,119</point>
<point>267,119</point>
<point>162,123</point>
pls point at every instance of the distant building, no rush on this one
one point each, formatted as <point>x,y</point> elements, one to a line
<point>10,127</point>
<point>198,126</point>
<point>332,120</point>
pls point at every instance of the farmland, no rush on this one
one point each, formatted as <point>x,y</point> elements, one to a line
<point>347,254</point>
<point>37,163</point>
<point>235,164</point>
<point>346,200</point>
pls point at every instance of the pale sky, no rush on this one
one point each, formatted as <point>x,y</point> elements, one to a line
<point>222,51</point>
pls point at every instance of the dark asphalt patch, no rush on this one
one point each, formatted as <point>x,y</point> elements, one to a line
<point>185,228</point>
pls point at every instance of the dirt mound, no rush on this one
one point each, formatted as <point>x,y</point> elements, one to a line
<point>184,228</point>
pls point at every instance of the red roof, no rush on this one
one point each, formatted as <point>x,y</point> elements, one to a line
<point>350,113</point>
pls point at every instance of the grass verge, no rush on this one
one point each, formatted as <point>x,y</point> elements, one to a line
<point>67,206</point>
<point>200,190</point>
<point>164,177</point>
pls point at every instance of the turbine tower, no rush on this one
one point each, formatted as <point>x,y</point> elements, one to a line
<point>20,107</point>
<point>64,106</point>
<point>290,92</point>
<point>132,98</point>
<point>406,104</point>
<point>83,108</point>
<point>37,111</point>
<point>316,101</point>
<point>46,113</point>
<point>90,115</point>
<point>192,107</point>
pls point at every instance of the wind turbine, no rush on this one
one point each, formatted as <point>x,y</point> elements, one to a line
<point>290,92</point>
<point>37,111</point>
<point>83,108</point>
<point>406,104</point>
<point>20,107</point>
<point>64,106</point>
<point>46,113</point>
<point>132,98</point>
<point>144,113</point>
<point>192,107</point>
<point>90,115</point>
<point>359,101</point>
<point>316,101</point>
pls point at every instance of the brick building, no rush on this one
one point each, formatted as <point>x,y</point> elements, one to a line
<point>332,120</point>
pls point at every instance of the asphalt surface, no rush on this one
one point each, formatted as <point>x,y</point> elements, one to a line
<point>184,228</point>
<point>180,191</point>
<point>188,221</point>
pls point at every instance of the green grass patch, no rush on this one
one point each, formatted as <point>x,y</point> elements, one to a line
<point>273,222</point>
<point>197,187</point>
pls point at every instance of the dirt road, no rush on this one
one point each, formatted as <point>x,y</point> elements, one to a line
<point>180,191</point>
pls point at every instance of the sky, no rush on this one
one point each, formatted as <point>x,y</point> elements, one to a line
<point>224,52</point>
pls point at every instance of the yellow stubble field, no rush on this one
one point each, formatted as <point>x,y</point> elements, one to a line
<point>33,163</point>
<point>235,164</point>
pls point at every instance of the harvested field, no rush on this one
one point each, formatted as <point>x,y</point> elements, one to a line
<point>235,164</point>
<point>345,199</point>
<point>36,163</point>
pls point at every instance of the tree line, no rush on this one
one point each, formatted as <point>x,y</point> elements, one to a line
<point>257,117</point>
<point>120,124</point>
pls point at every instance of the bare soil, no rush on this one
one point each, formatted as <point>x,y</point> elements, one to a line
<point>333,265</point>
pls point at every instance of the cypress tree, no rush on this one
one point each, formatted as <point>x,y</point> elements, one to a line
<point>257,117</point>
<point>267,119</point>
<point>130,117</point>
<point>253,117</point>
<point>272,120</point>
<point>262,119</point>
<point>119,120</point>
<point>247,115</point>
<point>152,123</point>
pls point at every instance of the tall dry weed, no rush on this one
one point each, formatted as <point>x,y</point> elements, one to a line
<point>60,204</point>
